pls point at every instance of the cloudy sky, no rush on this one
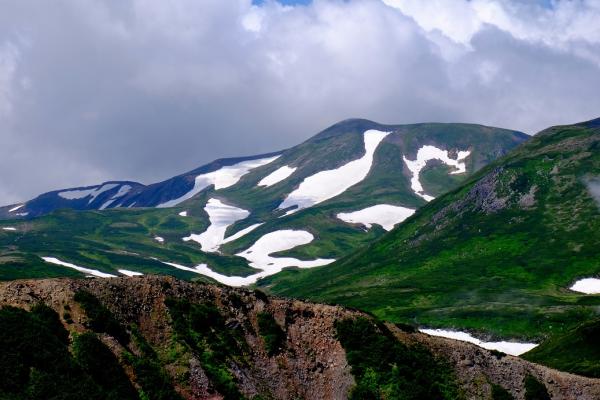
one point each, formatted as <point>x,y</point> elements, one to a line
<point>96,90</point>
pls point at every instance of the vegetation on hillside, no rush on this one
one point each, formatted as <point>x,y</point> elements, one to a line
<point>35,362</point>
<point>496,255</point>
<point>384,368</point>
<point>576,351</point>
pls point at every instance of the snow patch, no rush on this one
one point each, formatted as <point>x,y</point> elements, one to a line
<point>259,257</point>
<point>123,190</point>
<point>327,184</point>
<point>129,273</point>
<point>382,214</point>
<point>221,216</point>
<point>9,228</point>
<point>159,239</point>
<point>88,271</point>
<point>587,286</point>
<point>221,178</point>
<point>259,254</point>
<point>76,194</point>
<point>16,208</point>
<point>427,153</point>
<point>241,233</point>
<point>183,214</point>
<point>83,193</point>
<point>512,348</point>
<point>277,176</point>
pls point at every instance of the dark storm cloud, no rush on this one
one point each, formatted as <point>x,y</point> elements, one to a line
<point>94,90</point>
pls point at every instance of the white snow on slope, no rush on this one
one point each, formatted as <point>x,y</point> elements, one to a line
<point>512,348</point>
<point>123,190</point>
<point>183,214</point>
<point>259,256</point>
<point>159,239</point>
<point>427,153</point>
<point>9,228</point>
<point>126,272</point>
<point>88,271</point>
<point>221,216</point>
<point>16,208</point>
<point>241,233</point>
<point>382,214</point>
<point>83,193</point>
<point>587,286</point>
<point>327,184</point>
<point>76,194</point>
<point>221,178</point>
<point>277,176</point>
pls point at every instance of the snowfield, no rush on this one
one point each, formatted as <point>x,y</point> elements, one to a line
<point>159,239</point>
<point>129,273</point>
<point>259,254</point>
<point>88,271</point>
<point>16,208</point>
<point>241,233</point>
<point>385,215</point>
<point>93,192</point>
<point>327,184</point>
<point>123,190</point>
<point>221,178</point>
<point>183,214</point>
<point>259,257</point>
<point>221,216</point>
<point>427,153</point>
<point>277,176</point>
<point>512,348</point>
<point>9,228</point>
<point>587,286</point>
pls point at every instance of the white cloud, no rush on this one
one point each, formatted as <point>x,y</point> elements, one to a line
<point>197,80</point>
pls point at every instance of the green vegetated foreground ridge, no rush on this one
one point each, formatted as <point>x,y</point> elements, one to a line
<point>158,338</point>
<point>495,256</point>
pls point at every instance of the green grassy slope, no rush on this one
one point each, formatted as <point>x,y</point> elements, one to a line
<point>107,241</point>
<point>576,351</point>
<point>496,255</point>
<point>124,238</point>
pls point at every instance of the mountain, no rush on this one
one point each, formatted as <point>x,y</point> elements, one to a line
<point>161,338</point>
<point>512,252</point>
<point>240,219</point>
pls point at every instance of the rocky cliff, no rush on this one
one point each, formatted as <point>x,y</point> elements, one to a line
<point>176,339</point>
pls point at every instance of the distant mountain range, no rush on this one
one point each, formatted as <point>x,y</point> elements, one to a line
<point>237,220</point>
<point>463,231</point>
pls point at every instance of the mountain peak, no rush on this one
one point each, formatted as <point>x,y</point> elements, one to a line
<point>357,125</point>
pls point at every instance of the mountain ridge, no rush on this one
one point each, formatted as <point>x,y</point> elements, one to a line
<point>158,337</point>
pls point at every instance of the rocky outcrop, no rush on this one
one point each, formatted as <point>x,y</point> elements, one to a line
<point>310,364</point>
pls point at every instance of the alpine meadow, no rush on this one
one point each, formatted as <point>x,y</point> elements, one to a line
<point>384,199</point>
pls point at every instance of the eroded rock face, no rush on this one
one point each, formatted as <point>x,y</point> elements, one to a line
<point>478,368</point>
<point>310,363</point>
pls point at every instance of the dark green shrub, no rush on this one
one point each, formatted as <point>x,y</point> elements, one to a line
<point>203,329</point>
<point>155,382</point>
<point>535,390</point>
<point>387,369</point>
<point>101,364</point>
<point>498,354</point>
<point>499,393</point>
<point>272,334</point>
<point>35,362</point>
<point>101,319</point>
